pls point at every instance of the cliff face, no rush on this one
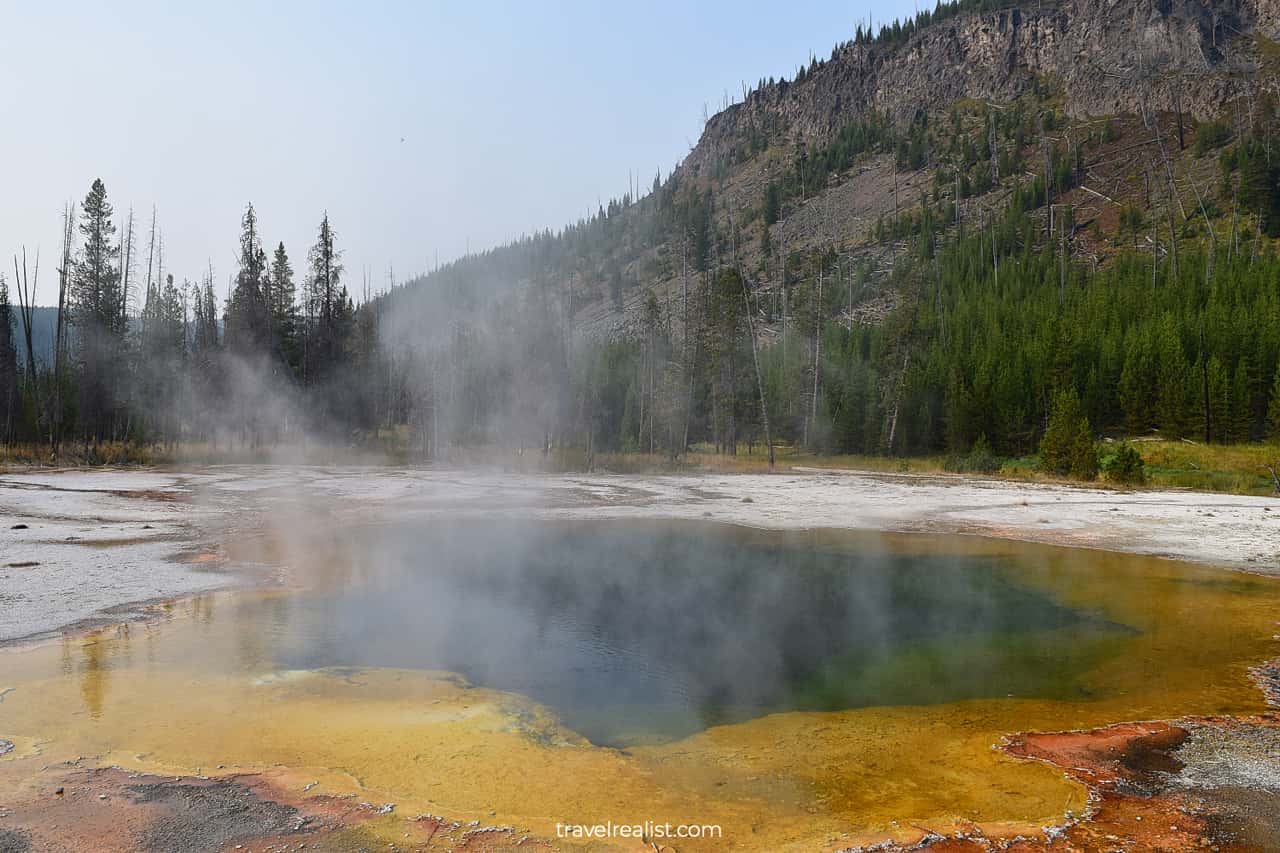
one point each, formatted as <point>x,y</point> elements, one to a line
<point>1106,56</point>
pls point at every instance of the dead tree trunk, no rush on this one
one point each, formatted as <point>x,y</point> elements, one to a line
<point>755,352</point>
<point>817,351</point>
<point>59,335</point>
<point>1208,264</point>
<point>897,402</point>
<point>1275,475</point>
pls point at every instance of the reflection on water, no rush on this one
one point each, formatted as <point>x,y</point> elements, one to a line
<point>98,651</point>
<point>632,632</point>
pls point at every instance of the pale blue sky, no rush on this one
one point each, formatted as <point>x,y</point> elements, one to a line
<point>513,116</point>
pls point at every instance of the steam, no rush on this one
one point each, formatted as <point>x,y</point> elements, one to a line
<point>481,360</point>
<point>635,631</point>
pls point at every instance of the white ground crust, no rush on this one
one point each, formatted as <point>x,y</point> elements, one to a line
<point>107,539</point>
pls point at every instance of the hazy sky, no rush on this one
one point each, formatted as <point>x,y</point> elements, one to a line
<point>420,127</point>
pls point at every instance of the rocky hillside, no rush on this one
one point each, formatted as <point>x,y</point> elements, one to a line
<point>1106,57</point>
<point>950,112</point>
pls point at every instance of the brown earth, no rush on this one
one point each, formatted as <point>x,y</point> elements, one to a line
<point>71,808</point>
<point>1202,783</point>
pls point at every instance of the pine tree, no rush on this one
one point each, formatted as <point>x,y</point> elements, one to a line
<point>248,323</point>
<point>98,310</point>
<point>1219,400</point>
<point>1259,179</point>
<point>328,305</point>
<point>1067,446</point>
<point>772,203</point>
<point>1171,377</point>
<point>1241,421</point>
<point>1273,410</point>
<point>283,306</point>
<point>10,409</point>
<point>97,284</point>
<point>205,335</point>
<point>1138,383</point>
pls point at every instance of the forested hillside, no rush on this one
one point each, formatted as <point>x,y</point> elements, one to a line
<point>972,229</point>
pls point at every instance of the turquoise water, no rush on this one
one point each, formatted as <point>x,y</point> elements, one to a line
<point>641,632</point>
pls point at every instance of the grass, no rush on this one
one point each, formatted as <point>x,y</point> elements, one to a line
<point>1232,469</point>
<point>115,453</point>
<point>704,457</point>
<point>144,454</point>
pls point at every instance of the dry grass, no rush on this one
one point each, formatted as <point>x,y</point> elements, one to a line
<point>703,458</point>
<point>1232,469</point>
<point>131,454</point>
<point>116,453</point>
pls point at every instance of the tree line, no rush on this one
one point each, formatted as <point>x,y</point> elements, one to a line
<point>997,336</point>
<point>153,360</point>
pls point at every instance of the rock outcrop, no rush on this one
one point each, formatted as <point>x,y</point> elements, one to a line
<point>1106,57</point>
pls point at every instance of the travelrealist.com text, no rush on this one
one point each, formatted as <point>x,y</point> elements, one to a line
<point>648,829</point>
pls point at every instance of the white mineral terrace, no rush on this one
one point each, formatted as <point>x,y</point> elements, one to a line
<point>87,545</point>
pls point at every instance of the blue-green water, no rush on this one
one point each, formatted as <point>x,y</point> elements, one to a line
<point>634,632</point>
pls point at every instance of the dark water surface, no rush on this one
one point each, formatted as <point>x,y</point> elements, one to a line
<point>640,632</point>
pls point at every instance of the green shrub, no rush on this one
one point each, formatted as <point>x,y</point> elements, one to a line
<point>1211,135</point>
<point>1123,464</point>
<point>979,460</point>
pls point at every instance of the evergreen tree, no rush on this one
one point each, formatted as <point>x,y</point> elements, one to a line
<point>1260,185</point>
<point>283,307</point>
<point>1171,398</point>
<point>248,322</point>
<point>1218,404</point>
<point>1273,410</point>
<point>1138,383</point>
<point>98,310</point>
<point>1067,446</point>
<point>328,306</point>
<point>1124,465</point>
<point>1240,423</point>
<point>10,409</point>
<point>205,335</point>
<point>772,203</point>
<point>205,361</point>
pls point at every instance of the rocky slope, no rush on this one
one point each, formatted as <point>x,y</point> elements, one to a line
<point>1149,70</point>
<point>1106,56</point>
